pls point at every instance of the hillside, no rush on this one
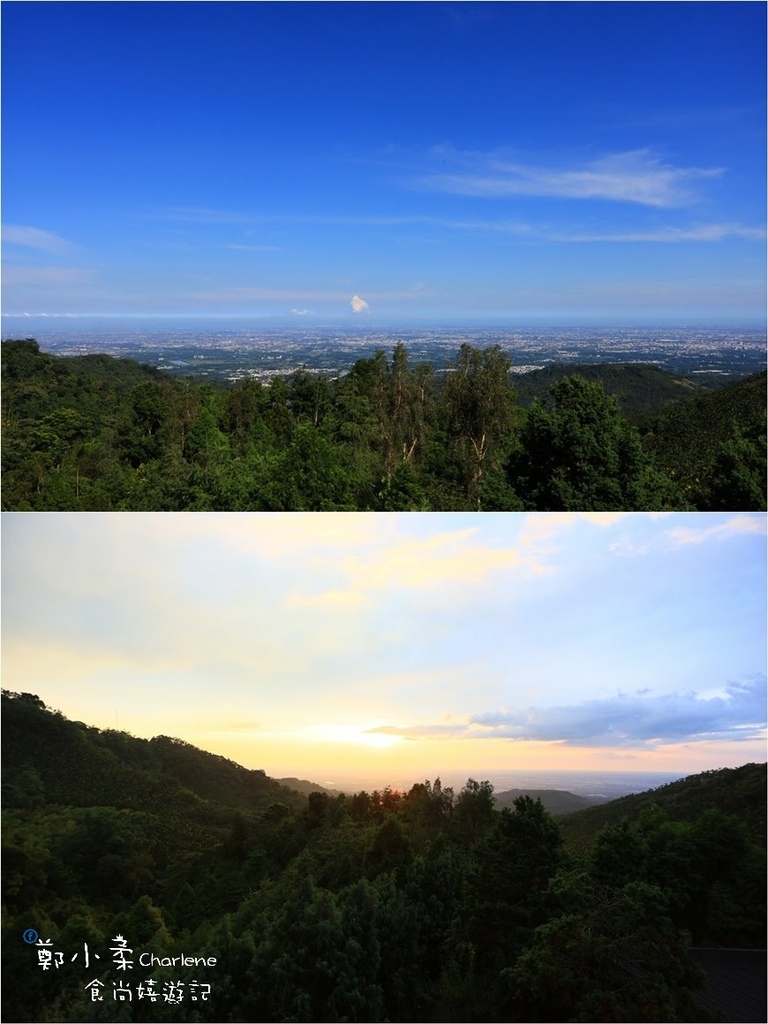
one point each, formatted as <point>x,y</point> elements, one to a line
<point>733,791</point>
<point>642,389</point>
<point>48,759</point>
<point>728,425</point>
<point>36,383</point>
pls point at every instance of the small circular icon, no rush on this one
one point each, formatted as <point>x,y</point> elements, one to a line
<point>30,936</point>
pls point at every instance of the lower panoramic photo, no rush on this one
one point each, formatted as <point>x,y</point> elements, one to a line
<point>384,767</point>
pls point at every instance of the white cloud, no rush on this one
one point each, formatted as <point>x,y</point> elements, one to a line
<point>358,305</point>
<point>637,176</point>
<point>35,238</point>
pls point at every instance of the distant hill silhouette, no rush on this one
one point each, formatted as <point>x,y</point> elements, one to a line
<point>306,787</point>
<point>555,801</point>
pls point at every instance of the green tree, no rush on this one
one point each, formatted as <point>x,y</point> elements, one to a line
<point>620,855</point>
<point>737,482</point>
<point>403,492</point>
<point>309,397</point>
<point>473,812</point>
<point>406,421</point>
<point>579,453</point>
<point>479,413</point>
<point>142,430</point>
<point>206,442</point>
<point>245,403</point>
<point>506,894</point>
<point>610,955</point>
<point>427,808</point>
<point>390,849</point>
<point>308,476</point>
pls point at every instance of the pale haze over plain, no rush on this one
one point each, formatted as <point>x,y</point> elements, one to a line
<point>400,645</point>
<point>444,161</point>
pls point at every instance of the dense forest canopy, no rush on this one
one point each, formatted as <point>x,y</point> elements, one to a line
<point>97,433</point>
<point>238,899</point>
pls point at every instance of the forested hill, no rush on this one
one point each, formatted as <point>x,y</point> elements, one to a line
<point>642,389</point>
<point>420,906</point>
<point>735,791</point>
<point>47,758</point>
<point>96,433</point>
<point>687,438</point>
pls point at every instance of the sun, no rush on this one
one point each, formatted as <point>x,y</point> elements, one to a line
<point>357,735</point>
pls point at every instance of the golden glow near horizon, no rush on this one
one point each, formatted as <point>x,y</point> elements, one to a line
<point>356,735</point>
<point>405,645</point>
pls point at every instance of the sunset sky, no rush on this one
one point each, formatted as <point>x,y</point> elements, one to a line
<point>385,161</point>
<point>400,645</point>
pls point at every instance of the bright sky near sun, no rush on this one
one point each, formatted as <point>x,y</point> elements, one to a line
<point>563,161</point>
<point>404,645</point>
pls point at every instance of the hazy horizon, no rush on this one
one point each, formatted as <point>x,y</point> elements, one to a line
<point>331,321</point>
<point>505,778</point>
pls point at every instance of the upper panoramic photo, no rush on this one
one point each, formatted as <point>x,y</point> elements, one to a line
<point>387,257</point>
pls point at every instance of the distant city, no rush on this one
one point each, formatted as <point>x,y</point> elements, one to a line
<point>231,350</point>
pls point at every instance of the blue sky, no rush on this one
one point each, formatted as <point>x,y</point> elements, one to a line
<point>521,162</point>
<point>400,645</point>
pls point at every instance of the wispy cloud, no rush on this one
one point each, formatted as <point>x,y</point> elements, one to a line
<point>737,526</point>
<point>697,233</point>
<point>447,559</point>
<point>252,294</point>
<point>676,537</point>
<point>195,215</point>
<point>624,720</point>
<point>201,215</point>
<point>36,238</point>
<point>253,248</point>
<point>528,231</point>
<point>246,293</point>
<point>637,176</point>
<point>45,277</point>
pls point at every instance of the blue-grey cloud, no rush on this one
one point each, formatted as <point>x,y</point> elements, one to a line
<point>624,720</point>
